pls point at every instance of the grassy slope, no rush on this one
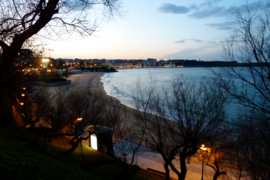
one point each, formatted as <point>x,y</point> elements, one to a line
<point>19,161</point>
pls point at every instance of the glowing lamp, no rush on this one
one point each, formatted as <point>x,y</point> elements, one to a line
<point>79,119</point>
<point>21,103</point>
<point>94,141</point>
<point>203,148</point>
<point>45,60</point>
<point>22,95</point>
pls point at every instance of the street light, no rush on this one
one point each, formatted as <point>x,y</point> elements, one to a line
<point>204,149</point>
<point>79,119</point>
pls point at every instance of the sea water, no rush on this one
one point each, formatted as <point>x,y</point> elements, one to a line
<point>123,84</point>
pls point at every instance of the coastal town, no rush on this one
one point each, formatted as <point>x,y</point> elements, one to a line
<point>139,63</point>
<point>119,90</point>
<point>29,63</point>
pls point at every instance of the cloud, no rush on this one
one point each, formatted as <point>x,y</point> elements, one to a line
<point>210,8</point>
<point>210,2</point>
<point>207,13</point>
<point>171,8</point>
<point>223,26</point>
<point>196,40</point>
<point>209,52</point>
<point>185,40</point>
<point>174,9</point>
<point>181,41</point>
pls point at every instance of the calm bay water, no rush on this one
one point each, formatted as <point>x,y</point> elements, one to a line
<point>122,84</point>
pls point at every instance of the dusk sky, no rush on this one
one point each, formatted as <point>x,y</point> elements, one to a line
<point>172,29</point>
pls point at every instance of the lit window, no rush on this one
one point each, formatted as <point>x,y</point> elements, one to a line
<point>94,141</point>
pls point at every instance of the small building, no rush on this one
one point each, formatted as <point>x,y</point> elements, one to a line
<point>100,138</point>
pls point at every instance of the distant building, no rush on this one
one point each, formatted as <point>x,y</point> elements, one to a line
<point>123,65</point>
<point>169,65</point>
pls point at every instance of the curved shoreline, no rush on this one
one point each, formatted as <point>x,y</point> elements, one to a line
<point>93,80</point>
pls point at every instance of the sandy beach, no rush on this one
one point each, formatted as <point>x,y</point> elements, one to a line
<point>146,158</point>
<point>93,81</point>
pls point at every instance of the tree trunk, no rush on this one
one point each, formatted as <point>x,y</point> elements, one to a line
<point>183,166</point>
<point>166,167</point>
<point>217,174</point>
<point>7,75</point>
<point>8,83</point>
<point>74,145</point>
<point>7,99</point>
<point>179,175</point>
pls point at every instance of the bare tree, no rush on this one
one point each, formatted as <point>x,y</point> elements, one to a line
<point>21,20</point>
<point>214,160</point>
<point>127,140</point>
<point>250,46</point>
<point>81,109</point>
<point>254,142</point>
<point>66,112</point>
<point>178,120</point>
<point>36,111</point>
<point>249,85</point>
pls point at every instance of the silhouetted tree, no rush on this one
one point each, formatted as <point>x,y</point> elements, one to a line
<point>21,20</point>
<point>75,109</point>
<point>127,139</point>
<point>181,118</point>
<point>249,86</point>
